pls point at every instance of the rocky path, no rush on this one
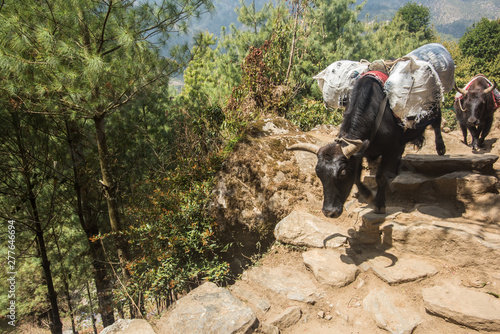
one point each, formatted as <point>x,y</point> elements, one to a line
<point>431,264</point>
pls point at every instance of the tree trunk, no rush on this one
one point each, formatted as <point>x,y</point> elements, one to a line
<point>66,285</point>
<point>110,191</point>
<point>92,310</point>
<point>55,324</point>
<point>292,48</point>
<point>89,222</point>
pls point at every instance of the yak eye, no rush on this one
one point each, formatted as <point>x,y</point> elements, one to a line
<point>342,174</point>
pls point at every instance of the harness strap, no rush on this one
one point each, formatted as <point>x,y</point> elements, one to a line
<point>378,119</point>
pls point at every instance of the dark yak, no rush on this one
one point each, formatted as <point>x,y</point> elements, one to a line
<point>474,106</point>
<point>371,130</point>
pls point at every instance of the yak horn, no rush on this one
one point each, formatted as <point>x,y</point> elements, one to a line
<point>353,147</point>
<point>304,147</point>
<point>490,89</point>
<point>460,90</point>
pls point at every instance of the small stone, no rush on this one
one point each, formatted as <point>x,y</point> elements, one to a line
<point>287,318</point>
<point>321,314</point>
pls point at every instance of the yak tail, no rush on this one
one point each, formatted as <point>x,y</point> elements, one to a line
<point>418,142</point>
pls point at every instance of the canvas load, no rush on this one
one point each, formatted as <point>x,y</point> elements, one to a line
<point>441,60</point>
<point>413,87</point>
<point>337,81</point>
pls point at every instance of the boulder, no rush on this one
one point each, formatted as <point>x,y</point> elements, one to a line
<point>208,309</point>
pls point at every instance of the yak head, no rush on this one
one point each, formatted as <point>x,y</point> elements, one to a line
<point>474,101</point>
<point>336,169</point>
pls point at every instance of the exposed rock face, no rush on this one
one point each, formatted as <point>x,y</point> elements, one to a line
<point>208,309</point>
<point>259,184</point>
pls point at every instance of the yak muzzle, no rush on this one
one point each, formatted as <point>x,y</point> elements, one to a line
<point>473,121</point>
<point>332,213</point>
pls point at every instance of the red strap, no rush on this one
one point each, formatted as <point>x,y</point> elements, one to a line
<point>381,76</point>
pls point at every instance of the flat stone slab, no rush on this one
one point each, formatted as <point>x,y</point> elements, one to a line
<point>207,309</point>
<point>293,284</point>
<point>382,306</point>
<point>442,164</point>
<point>472,308</point>
<point>330,267</point>
<point>304,229</point>
<point>402,271</point>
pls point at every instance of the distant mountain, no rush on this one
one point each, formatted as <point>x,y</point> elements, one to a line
<point>450,17</point>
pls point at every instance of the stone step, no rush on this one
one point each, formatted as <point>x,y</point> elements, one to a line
<point>431,164</point>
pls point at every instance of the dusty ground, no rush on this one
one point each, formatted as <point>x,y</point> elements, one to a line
<point>345,304</point>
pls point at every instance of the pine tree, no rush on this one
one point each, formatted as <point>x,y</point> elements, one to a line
<point>86,60</point>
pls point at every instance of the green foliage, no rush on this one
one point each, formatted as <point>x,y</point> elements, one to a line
<point>450,118</point>
<point>392,40</point>
<point>74,61</point>
<point>481,43</point>
<point>307,114</point>
<point>416,16</point>
<point>173,233</point>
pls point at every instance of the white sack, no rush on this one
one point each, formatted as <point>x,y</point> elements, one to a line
<point>338,79</point>
<point>412,88</point>
<point>441,60</point>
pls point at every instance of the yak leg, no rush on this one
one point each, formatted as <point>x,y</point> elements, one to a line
<point>474,132</point>
<point>436,125</point>
<point>486,130</point>
<point>363,191</point>
<point>387,170</point>
<point>464,132</point>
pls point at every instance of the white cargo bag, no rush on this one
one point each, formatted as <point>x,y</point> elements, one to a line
<point>413,87</point>
<point>441,60</point>
<point>337,81</point>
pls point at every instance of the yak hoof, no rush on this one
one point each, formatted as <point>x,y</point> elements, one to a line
<point>441,151</point>
<point>380,210</point>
